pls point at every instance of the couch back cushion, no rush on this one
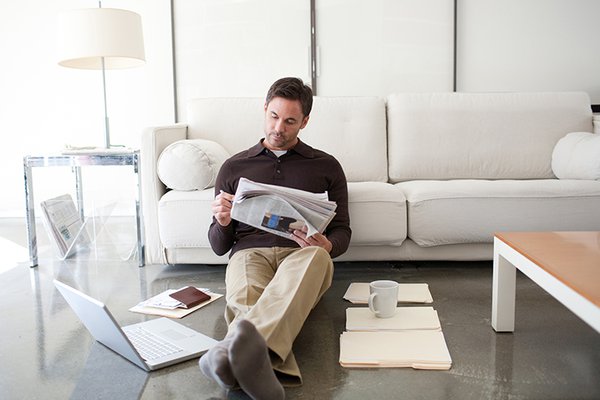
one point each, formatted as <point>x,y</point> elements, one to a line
<point>352,129</point>
<point>235,123</point>
<point>480,135</point>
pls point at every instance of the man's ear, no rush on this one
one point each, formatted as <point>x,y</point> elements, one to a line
<point>304,121</point>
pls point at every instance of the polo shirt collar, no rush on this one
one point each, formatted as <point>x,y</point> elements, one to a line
<point>301,148</point>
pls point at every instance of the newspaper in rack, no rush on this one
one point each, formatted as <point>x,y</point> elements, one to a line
<point>64,224</point>
<point>281,210</point>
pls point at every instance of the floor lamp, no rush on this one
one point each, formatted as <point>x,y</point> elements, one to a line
<point>100,39</point>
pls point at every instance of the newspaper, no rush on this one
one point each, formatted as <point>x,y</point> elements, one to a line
<point>63,224</point>
<point>281,210</point>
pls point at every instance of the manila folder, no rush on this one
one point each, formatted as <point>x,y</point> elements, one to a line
<point>416,349</point>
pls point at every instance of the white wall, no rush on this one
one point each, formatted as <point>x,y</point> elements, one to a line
<point>44,106</point>
<point>529,45</point>
<point>233,48</point>
<point>378,47</point>
<point>238,48</point>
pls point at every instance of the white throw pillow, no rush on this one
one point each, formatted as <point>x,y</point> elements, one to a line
<point>577,156</point>
<point>191,164</point>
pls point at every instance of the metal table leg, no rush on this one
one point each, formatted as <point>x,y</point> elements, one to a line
<point>30,214</point>
<point>138,213</point>
<point>79,191</point>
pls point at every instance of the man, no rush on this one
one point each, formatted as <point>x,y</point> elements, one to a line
<point>272,282</point>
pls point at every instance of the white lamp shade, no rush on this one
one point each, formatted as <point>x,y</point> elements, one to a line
<point>86,36</point>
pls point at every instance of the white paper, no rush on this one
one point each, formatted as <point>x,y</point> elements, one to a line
<point>163,300</point>
<point>405,318</point>
<point>358,293</point>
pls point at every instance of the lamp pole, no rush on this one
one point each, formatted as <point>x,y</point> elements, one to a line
<point>106,123</point>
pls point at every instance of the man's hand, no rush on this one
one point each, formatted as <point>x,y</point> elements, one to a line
<point>221,208</point>
<point>317,239</point>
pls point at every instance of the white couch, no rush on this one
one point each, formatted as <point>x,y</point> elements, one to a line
<point>431,176</point>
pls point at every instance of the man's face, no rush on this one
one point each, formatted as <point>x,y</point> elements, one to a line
<point>283,121</point>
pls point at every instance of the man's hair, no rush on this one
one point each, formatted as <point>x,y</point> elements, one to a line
<point>292,89</point>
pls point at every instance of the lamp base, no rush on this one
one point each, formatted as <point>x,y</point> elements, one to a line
<point>74,150</point>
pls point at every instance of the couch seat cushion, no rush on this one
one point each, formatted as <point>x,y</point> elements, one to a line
<point>184,218</point>
<point>377,214</point>
<point>470,211</point>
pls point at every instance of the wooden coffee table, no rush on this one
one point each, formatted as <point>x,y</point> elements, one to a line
<point>565,264</point>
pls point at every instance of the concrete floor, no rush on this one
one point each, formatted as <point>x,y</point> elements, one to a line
<point>46,353</point>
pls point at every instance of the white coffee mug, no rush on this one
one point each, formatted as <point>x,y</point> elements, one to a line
<point>383,298</point>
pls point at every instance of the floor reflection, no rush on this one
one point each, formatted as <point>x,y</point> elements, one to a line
<point>502,353</point>
<point>108,376</point>
<point>12,255</point>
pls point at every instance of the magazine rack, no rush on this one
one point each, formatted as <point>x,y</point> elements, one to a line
<point>64,225</point>
<point>91,235</point>
<point>78,160</point>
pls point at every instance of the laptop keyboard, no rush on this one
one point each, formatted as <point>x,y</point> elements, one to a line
<point>149,345</point>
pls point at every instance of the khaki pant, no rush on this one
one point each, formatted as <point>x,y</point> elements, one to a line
<point>275,289</point>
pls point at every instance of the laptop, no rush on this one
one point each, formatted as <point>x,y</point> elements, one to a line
<point>150,345</point>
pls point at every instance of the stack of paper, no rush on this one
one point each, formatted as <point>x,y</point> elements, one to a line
<point>406,318</point>
<point>358,293</point>
<point>164,305</point>
<point>411,338</point>
<point>416,349</point>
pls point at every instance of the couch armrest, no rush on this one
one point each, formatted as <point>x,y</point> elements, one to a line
<point>597,123</point>
<point>154,141</point>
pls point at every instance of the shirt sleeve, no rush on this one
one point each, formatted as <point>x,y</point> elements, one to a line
<point>222,238</point>
<point>338,231</point>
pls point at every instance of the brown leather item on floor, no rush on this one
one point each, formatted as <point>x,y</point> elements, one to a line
<point>190,296</point>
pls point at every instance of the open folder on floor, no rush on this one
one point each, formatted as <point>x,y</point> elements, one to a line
<point>358,293</point>
<point>384,349</point>
<point>405,318</point>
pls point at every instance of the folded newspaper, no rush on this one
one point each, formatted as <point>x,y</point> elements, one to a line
<point>64,225</point>
<point>281,210</point>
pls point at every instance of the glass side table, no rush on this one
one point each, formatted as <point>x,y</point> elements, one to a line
<point>76,161</point>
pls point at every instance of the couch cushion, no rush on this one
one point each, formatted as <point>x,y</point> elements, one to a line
<point>377,214</point>
<point>470,211</point>
<point>577,156</point>
<point>235,123</point>
<point>184,218</point>
<point>353,130</point>
<point>480,135</point>
<point>191,164</point>
<point>341,126</point>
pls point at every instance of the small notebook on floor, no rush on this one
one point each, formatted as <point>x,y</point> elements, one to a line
<point>405,318</point>
<point>414,349</point>
<point>358,293</point>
